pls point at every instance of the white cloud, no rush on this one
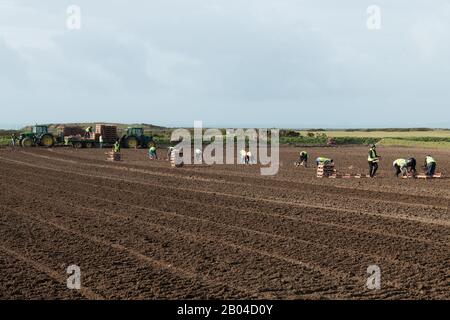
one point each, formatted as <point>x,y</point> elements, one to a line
<point>268,62</point>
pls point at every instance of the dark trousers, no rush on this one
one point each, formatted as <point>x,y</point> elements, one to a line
<point>412,169</point>
<point>398,170</point>
<point>373,167</point>
<point>304,160</point>
<point>431,169</point>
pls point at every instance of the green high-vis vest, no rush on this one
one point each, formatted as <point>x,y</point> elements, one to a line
<point>430,160</point>
<point>400,162</point>
<point>372,155</point>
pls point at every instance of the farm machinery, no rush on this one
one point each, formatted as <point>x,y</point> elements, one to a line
<point>76,137</point>
<point>38,136</point>
<point>106,135</point>
<point>134,137</point>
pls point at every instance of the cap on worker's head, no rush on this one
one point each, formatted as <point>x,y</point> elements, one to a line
<point>374,146</point>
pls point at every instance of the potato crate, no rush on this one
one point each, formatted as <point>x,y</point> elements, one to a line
<point>114,156</point>
<point>424,176</point>
<point>176,158</point>
<point>109,133</point>
<point>72,131</point>
<point>326,170</point>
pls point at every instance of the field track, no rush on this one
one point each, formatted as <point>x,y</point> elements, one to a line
<point>143,230</point>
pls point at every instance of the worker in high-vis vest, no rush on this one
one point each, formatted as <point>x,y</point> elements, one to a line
<point>303,159</point>
<point>430,164</point>
<point>87,132</point>
<point>400,166</point>
<point>373,160</point>
<point>152,153</point>
<point>116,147</point>
<point>323,160</point>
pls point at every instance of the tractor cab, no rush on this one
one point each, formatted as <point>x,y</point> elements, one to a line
<point>39,136</point>
<point>135,137</point>
<point>40,130</point>
<point>137,132</point>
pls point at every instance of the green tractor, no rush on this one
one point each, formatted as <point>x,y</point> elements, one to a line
<point>39,136</point>
<point>135,137</point>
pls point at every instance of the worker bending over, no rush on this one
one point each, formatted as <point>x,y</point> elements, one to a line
<point>411,166</point>
<point>198,155</point>
<point>430,165</point>
<point>405,166</point>
<point>373,161</point>
<point>248,158</point>
<point>400,166</point>
<point>303,159</point>
<point>152,153</point>
<point>323,160</point>
<point>243,156</point>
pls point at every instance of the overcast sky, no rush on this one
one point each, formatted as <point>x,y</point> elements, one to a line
<point>229,63</point>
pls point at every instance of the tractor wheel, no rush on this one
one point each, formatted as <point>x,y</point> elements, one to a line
<point>131,142</point>
<point>26,143</point>
<point>77,145</point>
<point>47,141</point>
<point>88,145</point>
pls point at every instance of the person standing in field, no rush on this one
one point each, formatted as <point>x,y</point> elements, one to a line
<point>430,165</point>
<point>100,139</point>
<point>13,140</point>
<point>169,152</point>
<point>116,147</point>
<point>373,160</point>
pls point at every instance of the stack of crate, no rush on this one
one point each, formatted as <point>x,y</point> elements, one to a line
<point>326,171</point>
<point>114,156</point>
<point>109,133</point>
<point>72,131</point>
<point>176,158</point>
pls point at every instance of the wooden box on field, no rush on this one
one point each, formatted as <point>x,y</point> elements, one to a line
<point>109,133</point>
<point>176,158</point>
<point>114,156</point>
<point>325,170</point>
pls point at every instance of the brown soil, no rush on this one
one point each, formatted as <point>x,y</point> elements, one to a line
<point>140,229</point>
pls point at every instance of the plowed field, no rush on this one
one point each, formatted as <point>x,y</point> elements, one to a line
<point>139,229</point>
